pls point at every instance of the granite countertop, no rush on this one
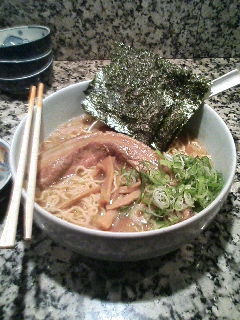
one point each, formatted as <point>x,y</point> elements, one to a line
<point>201,280</point>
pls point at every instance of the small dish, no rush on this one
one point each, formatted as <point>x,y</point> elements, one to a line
<point>5,173</point>
<point>23,42</point>
<point>20,86</point>
<point>19,68</point>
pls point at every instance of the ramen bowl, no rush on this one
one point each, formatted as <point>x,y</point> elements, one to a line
<point>206,125</point>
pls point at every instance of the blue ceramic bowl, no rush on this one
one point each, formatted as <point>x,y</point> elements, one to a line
<point>21,86</point>
<point>24,42</point>
<point>19,68</point>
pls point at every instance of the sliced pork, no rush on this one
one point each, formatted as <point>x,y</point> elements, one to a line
<point>87,151</point>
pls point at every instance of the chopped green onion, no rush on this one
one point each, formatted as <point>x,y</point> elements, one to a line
<point>194,185</point>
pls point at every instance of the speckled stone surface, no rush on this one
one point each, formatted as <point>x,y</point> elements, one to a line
<point>201,280</point>
<point>86,29</point>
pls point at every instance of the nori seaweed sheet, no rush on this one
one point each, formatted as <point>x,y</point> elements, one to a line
<point>144,96</point>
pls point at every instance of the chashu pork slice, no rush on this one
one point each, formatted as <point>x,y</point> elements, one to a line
<point>87,151</point>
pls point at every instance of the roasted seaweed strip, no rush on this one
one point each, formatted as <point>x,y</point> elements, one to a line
<point>145,96</point>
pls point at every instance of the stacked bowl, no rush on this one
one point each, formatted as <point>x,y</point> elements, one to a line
<point>26,57</point>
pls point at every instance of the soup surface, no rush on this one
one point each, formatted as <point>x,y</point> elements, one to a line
<point>99,179</point>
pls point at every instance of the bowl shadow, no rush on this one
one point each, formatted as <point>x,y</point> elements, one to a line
<point>126,281</point>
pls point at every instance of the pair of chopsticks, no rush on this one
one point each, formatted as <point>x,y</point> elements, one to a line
<point>7,239</point>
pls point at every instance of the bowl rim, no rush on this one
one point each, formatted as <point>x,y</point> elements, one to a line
<point>34,26</point>
<point>7,146</point>
<point>29,75</point>
<point>129,235</point>
<point>27,60</point>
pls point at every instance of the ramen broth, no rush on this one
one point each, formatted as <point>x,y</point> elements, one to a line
<point>107,194</point>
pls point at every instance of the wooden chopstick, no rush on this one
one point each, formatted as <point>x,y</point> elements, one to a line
<point>28,216</point>
<point>7,239</point>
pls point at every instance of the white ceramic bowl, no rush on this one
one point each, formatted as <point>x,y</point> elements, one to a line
<point>5,174</point>
<point>211,131</point>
